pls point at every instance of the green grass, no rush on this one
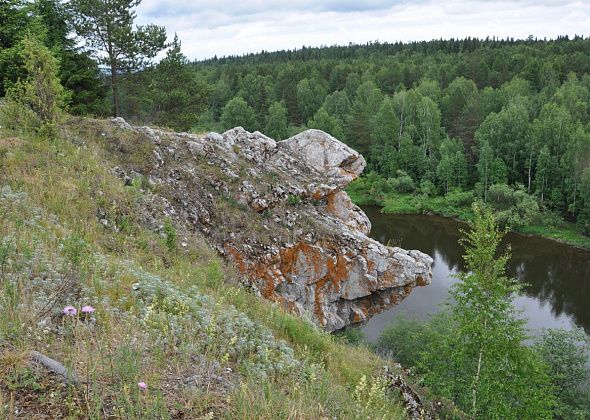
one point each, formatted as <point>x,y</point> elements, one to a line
<point>401,204</point>
<point>54,252</point>
<point>566,234</point>
<point>419,204</point>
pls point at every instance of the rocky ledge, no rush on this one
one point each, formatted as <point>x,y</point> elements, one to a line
<point>279,212</point>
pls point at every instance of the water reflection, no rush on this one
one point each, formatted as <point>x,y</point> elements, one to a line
<point>557,293</point>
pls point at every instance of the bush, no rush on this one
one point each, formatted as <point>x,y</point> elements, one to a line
<point>402,183</point>
<point>405,338</point>
<point>352,335</point>
<point>427,188</point>
<point>38,100</point>
<point>458,198</point>
<point>175,315</point>
<point>501,197</point>
<point>171,235</point>
<point>293,200</point>
<point>514,207</point>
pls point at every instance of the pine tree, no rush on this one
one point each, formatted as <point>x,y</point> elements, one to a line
<point>276,121</point>
<point>179,95</point>
<point>107,28</point>
<point>310,97</point>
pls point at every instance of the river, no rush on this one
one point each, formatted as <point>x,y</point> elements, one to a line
<point>557,276</point>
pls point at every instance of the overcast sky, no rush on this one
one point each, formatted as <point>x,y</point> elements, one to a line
<point>225,27</point>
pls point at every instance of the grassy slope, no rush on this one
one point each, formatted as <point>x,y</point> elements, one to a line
<point>410,204</point>
<point>187,324</point>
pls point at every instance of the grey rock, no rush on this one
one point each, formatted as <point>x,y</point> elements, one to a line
<point>312,254</point>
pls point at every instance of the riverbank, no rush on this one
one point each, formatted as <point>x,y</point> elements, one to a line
<point>458,206</point>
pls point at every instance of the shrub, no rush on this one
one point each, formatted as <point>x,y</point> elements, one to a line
<point>405,338</point>
<point>427,188</point>
<point>38,100</point>
<point>501,197</point>
<point>170,233</point>
<point>402,183</point>
<point>173,314</point>
<point>352,335</point>
<point>514,207</point>
<point>293,200</point>
<point>458,198</point>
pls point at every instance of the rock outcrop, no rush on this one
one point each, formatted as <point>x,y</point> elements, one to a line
<point>279,212</point>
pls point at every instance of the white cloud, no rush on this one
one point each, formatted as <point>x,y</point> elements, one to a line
<point>227,27</point>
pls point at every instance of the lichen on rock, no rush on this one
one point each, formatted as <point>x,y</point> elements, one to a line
<point>279,212</point>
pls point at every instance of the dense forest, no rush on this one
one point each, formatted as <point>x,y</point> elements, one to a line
<point>504,120</point>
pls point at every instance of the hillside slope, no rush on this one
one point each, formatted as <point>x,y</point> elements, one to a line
<point>167,331</point>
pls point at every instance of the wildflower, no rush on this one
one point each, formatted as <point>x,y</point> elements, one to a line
<point>87,309</point>
<point>142,386</point>
<point>70,311</point>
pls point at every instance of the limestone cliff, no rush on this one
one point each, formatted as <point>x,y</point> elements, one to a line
<point>279,211</point>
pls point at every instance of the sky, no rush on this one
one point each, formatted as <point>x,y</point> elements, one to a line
<point>230,27</point>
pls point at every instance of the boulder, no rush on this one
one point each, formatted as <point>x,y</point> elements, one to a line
<point>279,212</point>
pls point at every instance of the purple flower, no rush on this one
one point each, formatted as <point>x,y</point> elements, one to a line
<point>70,311</point>
<point>142,386</point>
<point>87,309</point>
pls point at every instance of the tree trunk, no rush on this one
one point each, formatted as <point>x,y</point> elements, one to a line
<point>574,205</point>
<point>475,385</point>
<point>530,170</point>
<point>401,129</point>
<point>115,88</point>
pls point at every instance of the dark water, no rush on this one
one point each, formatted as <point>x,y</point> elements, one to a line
<point>558,276</point>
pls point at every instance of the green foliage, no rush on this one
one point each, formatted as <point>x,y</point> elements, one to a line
<point>483,364</point>
<point>405,338</point>
<point>325,122</point>
<point>171,235</point>
<point>276,121</point>
<point>475,351</point>
<point>237,113</point>
<point>514,207</point>
<point>310,97</point>
<point>352,335</point>
<point>567,354</point>
<point>293,200</point>
<point>401,183</point>
<point>452,167</point>
<point>178,94</point>
<point>39,97</point>
<point>384,137</point>
<point>107,28</point>
<point>49,22</point>
<point>79,73</point>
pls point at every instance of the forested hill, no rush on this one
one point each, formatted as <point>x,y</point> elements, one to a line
<point>431,117</point>
<point>504,121</point>
<point>352,50</point>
